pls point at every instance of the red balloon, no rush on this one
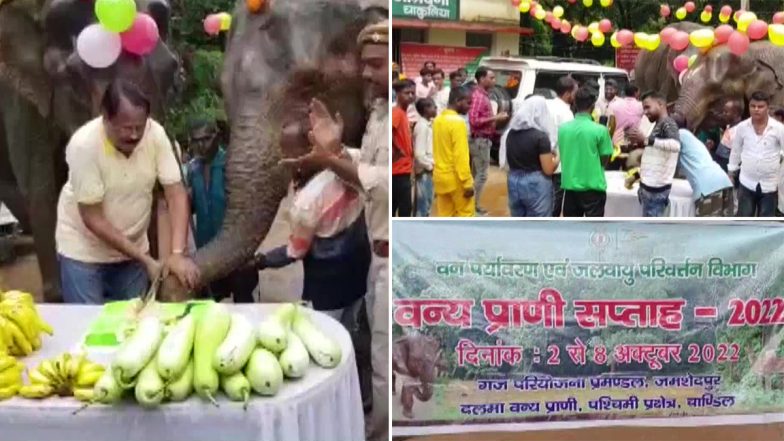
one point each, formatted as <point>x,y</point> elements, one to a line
<point>758,29</point>
<point>680,63</point>
<point>666,34</point>
<point>548,17</point>
<point>556,24</point>
<point>571,2</point>
<point>625,37</point>
<point>723,33</point>
<point>566,27</point>
<point>581,34</point>
<point>708,8</point>
<point>605,25</point>
<point>665,11</point>
<point>679,41</point>
<point>778,18</point>
<point>516,3</point>
<point>738,43</point>
<point>726,10</point>
<point>690,7</point>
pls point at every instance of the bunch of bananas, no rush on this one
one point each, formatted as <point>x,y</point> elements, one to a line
<point>20,324</point>
<point>10,376</point>
<point>65,375</point>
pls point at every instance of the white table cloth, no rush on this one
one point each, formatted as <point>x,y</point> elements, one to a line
<point>622,202</point>
<point>324,405</point>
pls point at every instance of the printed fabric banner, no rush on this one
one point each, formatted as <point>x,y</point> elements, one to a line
<point>553,321</point>
<point>626,58</point>
<point>448,58</point>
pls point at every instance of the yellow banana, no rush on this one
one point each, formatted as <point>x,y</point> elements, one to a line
<point>48,369</point>
<point>84,394</point>
<point>73,365</point>
<point>36,391</point>
<point>9,392</point>
<point>37,377</point>
<point>20,341</point>
<point>16,315</point>
<point>6,361</point>
<point>42,325</point>
<point>17,297</point>
<point>61,364</point>
<point>10,376</point>
<point>88,379</point>
<point>4,341</point>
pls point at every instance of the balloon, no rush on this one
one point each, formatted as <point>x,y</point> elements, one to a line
<point>776,34</point>
<point>680,13</point>
<point>737,14</point>
<point>98,47</point>
<point>566,27</point>
<point>255,6</point>
<point>690,7</point>
<point>548,16</point>
<point>556,24</point>
<point>708,8</point>
<point>606,3</point>
<point>778,18</point>
<point>605,25</point>
<point>666,34</point>
<point>738,43</point>
<point>581,34</point>
<point>525,7</point>
<point>692,60</point>
<point>597,39</point>
<point>142,37</point>
<point>746,19</point>
<point>640,39</point>
<point>516,3</point>
<point>614,40</point>
<point>665,11</point>
<point>652,42</point>
<point>726,10</point>
<point>225,21</point>
<point>702,38</point>
<point>540,14</point>
<point>587,4</point>
<point>679,41</point>
<point>706,16</point>
<point>724,18</point>
<point>571,2</point>
<point>558,11</point>
<point>625,37</point>
<point>116,15</point>
<point>757,30</point>
<point>680,63</point>
<point>723,33</point>
<point>574,31</point>
<point>593,27</point>
<point>212,24</point>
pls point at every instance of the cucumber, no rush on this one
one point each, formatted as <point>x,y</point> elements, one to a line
<point>175,351</point>
<point>211,329</point>
<point>149,387</point>
<point>137,351</point>
<point>235,350</point>
<point>272,331</point>
<point>294,360</point>
<point>106,389</point>
<point>325,351</point>
<point>263,372</point>
<point>181,388</point>
<point>236,387</point>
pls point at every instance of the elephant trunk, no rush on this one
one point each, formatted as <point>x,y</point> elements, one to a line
<point>255,185</point>
<point>686,105</point>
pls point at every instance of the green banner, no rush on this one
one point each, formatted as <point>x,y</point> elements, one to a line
<point>426,9</point>
<point>523,322</point>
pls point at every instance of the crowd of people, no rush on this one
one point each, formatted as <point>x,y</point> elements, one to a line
<point>556,151</point>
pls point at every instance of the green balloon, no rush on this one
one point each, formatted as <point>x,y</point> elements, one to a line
<point>116,15</point>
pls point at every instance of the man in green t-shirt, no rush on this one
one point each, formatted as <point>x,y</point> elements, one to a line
<point>585,148</point>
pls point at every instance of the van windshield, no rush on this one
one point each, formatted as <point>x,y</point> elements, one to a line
<point>509,80</point>
<point>546,81</point>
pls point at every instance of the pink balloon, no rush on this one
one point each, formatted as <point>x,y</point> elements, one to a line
<point>758,29</point>
<point>605,25</point>
<point>778,18</point>
<point>625,37</point>
<point>680,63</point>
<point>515,3</point>
<point>679,41</point>
<point>666,34</point>
<point>738,43</point>
<point>726,10</point>
<point>723,33</point>
<point>690,7</point>
<point>212,24</point>
<point>548,17</point>
<point>708,8</point>
<point>556,24</point>
<point>665,11</point>
<point>581,34</point>
<point>566,27</point>
<point>142,37</point>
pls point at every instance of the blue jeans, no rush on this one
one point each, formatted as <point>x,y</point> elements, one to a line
<point>530,194</point>
<point>424,194</point>
<point>95,283</point>
<point>653,203</point>
<point>755,203</point>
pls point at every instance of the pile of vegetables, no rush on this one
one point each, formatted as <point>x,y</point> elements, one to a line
<point>20,324</point>
<point>219,351</point>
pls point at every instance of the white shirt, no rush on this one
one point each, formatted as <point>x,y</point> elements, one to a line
<point>442,99</point>
<point>423,146</point>
<point>561,113</point>
<point>758,157</point>
<point>659,161</point>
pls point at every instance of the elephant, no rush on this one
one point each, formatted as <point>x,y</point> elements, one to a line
<point>277,60</point>
<point>46,93</point>
<point>421,357</point>
<point>716,75</point>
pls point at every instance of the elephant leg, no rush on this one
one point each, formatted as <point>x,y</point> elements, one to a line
<point>32,156</point>
<point>407,399</point>
<point>9,189</point>
<point>424,393</point>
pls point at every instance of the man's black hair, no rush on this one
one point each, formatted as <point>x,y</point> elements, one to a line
<point>398,86</point>
<point>422,104</point>
<point>585,99</point>
<point>564,84</point>
<point>123,89</point>
<point>458,93</point>
<point>760,96</point>
<point>630,90</point>
<point>481,72</point>
<point>654,95</point>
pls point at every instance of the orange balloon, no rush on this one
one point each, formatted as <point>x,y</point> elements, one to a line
<point>255,6</point>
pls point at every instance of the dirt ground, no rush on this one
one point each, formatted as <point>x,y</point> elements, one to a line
<point>495,195</point>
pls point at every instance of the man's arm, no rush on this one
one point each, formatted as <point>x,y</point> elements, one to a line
<point>474,114</point>
<point>179,209</point>
<point>95,221</point>
<point>669,140</point>
<point>461,155</point>
<point>735,152</point>
<point>421,147</point>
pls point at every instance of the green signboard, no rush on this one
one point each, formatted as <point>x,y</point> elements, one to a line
<point>426,9</point>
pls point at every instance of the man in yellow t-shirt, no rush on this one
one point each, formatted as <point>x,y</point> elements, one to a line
<point>105,207</point>
<point>453,184</point>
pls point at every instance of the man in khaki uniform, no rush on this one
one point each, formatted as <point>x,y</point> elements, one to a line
<point>368,170</point>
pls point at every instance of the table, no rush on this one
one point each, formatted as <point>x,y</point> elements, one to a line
<point>324,405</point>
<point>622,202</point>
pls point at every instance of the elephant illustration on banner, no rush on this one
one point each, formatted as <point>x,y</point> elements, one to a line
<point>46,93</point>
<point>419,357</point>
<point>716,75</point>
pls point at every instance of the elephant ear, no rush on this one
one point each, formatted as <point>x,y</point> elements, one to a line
<point>22,46</point>
<point>767,58</point>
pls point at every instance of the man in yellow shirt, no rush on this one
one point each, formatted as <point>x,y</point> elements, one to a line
<point>453,184</point>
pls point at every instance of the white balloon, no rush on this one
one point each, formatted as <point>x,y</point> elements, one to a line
<point>98,47</point>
